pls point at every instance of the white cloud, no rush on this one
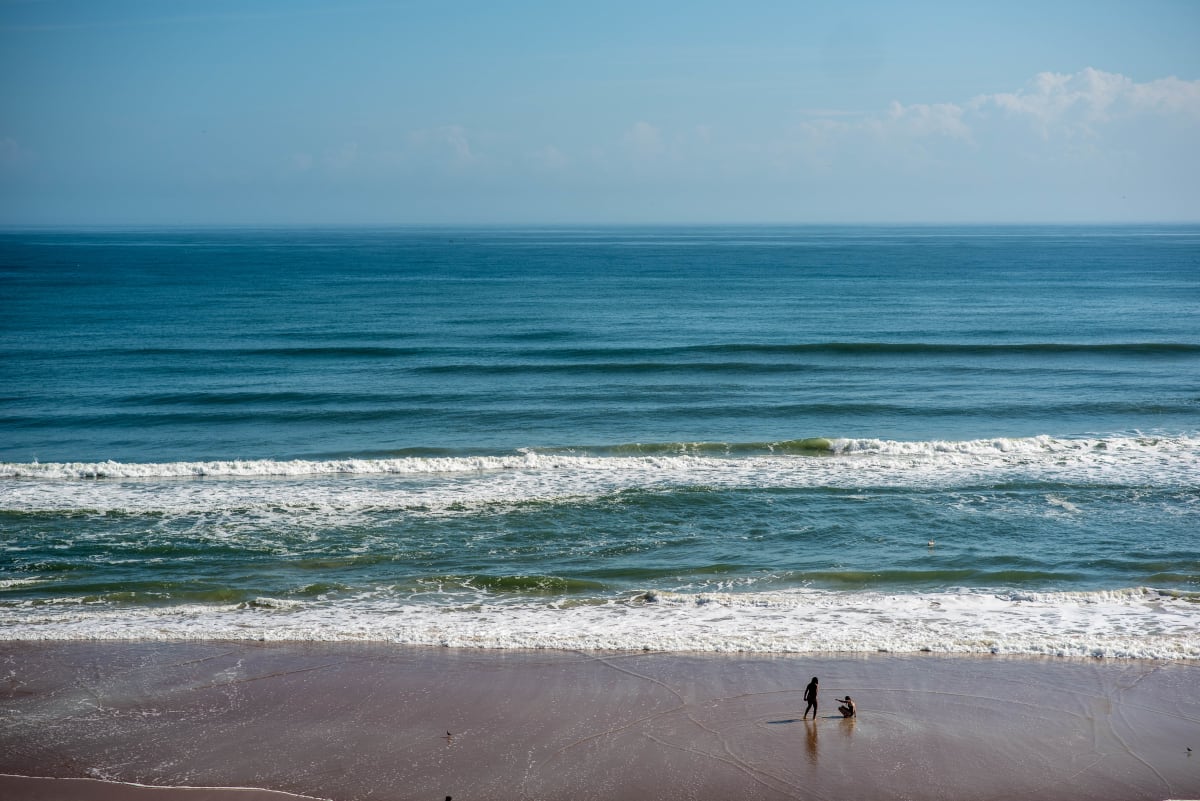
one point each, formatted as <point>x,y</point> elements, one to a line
<point>1052,103</point>
<point>922,119</point>
<point>1068,104</point>
<point>1168,96</point>
<point>1090,115</point>
<point>644,140</point>
<point>1089,144</point>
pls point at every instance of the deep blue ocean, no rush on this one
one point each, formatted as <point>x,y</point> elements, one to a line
<point>780,439</point>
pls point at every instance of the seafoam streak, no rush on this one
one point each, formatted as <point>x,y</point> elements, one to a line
<point>1132,623</point>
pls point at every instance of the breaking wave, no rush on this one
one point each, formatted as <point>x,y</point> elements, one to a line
<point>1130,623</point>
<point>1048,449</point>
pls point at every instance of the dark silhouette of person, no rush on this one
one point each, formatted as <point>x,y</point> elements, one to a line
<point>847,708</point>
<point>810,695</point>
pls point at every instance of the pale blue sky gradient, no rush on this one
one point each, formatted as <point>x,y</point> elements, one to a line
<point>179,112</point>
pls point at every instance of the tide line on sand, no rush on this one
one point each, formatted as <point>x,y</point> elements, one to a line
<point>46,788</point>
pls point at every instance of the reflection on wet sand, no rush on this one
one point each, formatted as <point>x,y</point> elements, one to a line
<point>811,740</point>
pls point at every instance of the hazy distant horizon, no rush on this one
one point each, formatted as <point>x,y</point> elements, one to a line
<point>117,227</point>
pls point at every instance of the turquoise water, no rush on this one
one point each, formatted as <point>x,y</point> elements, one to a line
<point>757,438</point>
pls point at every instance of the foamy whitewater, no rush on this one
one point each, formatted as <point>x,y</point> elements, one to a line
<point>779,440</point>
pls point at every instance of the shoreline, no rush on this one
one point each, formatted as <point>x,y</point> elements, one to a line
<point>1104,622</point>
<point>370,721</point>
<point>45,788</point>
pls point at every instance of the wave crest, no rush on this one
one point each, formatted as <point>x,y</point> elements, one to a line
<point>621,456</point>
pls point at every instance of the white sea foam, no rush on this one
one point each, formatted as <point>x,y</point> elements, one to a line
<point>6,584</point>
<point>285,504</point>
<point>980,454</point>
<point>1130,623</point>
<point>442,485</point>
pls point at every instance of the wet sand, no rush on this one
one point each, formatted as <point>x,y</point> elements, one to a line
<point>372,721</point>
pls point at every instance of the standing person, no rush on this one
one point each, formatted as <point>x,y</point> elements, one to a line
<point>810,695</point>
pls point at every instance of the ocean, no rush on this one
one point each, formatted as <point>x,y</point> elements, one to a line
<point>969,439</point>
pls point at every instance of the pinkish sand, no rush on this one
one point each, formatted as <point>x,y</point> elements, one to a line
<point>370,721</point>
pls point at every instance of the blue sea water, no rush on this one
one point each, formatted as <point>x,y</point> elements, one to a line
<point>781,439</point>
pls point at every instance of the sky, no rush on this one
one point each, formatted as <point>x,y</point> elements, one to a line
<point>297,112</point>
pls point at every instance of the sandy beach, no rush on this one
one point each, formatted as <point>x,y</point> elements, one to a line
<point>373,721</point>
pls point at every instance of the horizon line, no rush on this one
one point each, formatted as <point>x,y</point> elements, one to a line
<point>134,225</point>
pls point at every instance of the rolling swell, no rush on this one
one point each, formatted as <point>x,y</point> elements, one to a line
<point>534,392</point>
<point>585,355</point>
<point>508,417</point>
<point>869,348</point>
